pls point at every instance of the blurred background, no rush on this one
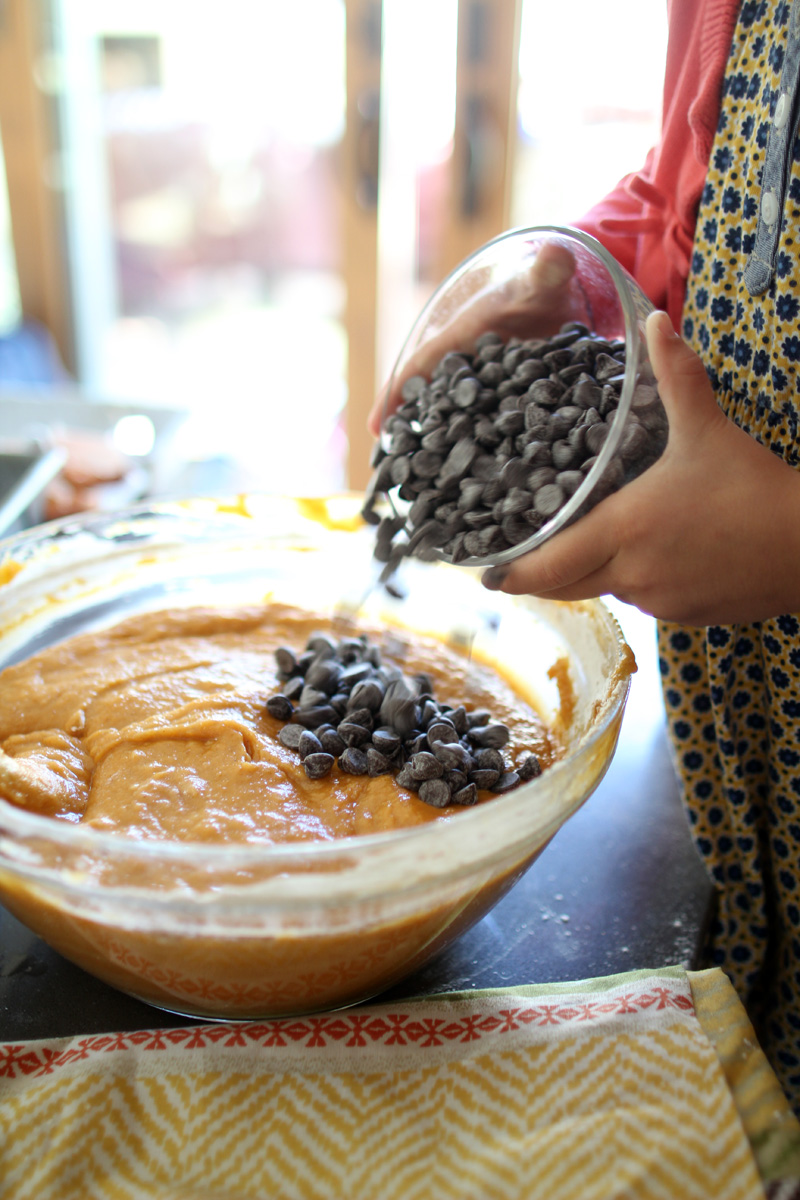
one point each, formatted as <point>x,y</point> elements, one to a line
<point>218,222</point>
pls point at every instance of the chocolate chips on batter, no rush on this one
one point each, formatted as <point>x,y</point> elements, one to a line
<point>342,704</point>
<point>494,444</point>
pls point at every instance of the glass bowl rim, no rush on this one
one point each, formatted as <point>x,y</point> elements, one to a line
<point>26,826</point>
<point>623,283</point>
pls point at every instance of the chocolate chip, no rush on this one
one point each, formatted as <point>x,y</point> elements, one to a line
<point>458,716</point>
<point>353,734</point>
<point>548,500</point>
<point>406,778</point>
<point>634,441</point>
<point>452,756</point>
<point>425,766</point>
<point>386,741</point>
<point>465,796</point>
<point>413,387</point>
<point>399,708</point>
<point>478,716</point>
<point>354,673</point>
<point>377,763</point>
<point>442,731</point>
<point>321,645</point>
<point>332,743</point>
<point>455,780</point>
<point>361,716</point>
<point>507,781</point>
<point>484,778</point>
<point>537,454</point>
<point>286,661</point>
<point>293,687</point>
<point>530,370</point>
<point>318,765</point>
<point>596,436</point>
<point>324,676</point>
<point>280,707</point>
<point>349,651</point>
<point>565,455</point>
<point>510,423</point>
<point>311,718</point>
<point>488,338</point>
<point>606,367</point>
<point>491,736</point>
<point>529,768</point>
<point>491,374</point>
<point>290,736</point>
<point>569,481</point>
<point>353,761</point>
<point>368,694</point>
<point>309,744</point>
<point>312,697</point>
<point>435,792</point>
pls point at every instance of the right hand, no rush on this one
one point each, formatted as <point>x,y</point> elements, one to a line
<point>708,535</point>
<point>532,306</point>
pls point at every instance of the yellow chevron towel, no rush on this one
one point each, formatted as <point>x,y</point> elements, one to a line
<point>648,1085</point>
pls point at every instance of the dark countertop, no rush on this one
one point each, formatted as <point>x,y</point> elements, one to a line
<point>619,888</point>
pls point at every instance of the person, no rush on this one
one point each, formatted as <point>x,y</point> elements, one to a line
<point>707,540</point>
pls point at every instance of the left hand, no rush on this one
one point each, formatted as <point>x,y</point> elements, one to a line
<point>710,534</point>
<point>534,304</point>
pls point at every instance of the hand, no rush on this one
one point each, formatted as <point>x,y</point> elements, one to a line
<point>710,534</point>
<point>532,306</point>
<point>93,463</point>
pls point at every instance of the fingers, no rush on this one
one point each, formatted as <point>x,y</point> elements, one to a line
<point>375,418</point>
<point>604,551</point>
<point>529,304</point>
<point>551,272</point>
<point>569,567</point>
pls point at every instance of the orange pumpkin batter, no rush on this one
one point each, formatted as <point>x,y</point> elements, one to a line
<point>157,728</point>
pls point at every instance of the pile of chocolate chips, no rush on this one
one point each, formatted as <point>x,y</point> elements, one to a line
<point>493,445</point>
<point>340,702</point>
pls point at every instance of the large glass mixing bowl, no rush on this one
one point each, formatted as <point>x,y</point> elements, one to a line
<point>246,931</point>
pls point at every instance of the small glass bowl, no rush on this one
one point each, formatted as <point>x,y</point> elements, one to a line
<point>243,931</point>
<point>492,291</point>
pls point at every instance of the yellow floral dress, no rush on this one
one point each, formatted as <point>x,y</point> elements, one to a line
<point>732,693</point>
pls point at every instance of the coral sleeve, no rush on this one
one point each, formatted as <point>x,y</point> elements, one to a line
<point>647,222</point>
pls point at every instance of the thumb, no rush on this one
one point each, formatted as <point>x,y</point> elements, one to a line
<point>682,381</point>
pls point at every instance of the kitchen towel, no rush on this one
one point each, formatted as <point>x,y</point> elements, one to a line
<point>648,1084</point>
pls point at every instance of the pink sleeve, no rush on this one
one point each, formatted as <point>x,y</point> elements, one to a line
<point>647,222</point>
<point>611,222</point>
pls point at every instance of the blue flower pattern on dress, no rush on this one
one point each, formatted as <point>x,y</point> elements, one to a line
<point>732,694</point>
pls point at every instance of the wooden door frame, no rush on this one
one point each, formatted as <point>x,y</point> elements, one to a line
<point>28,130</point>
<point>360,172</point>
<point>487,83</point>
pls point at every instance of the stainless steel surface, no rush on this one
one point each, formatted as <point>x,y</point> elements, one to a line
<point>24,475</point>
<point>43,415</point>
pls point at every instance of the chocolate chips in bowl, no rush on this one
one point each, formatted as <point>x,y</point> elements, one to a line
<point>493,443</point>
<point>344,705</point>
